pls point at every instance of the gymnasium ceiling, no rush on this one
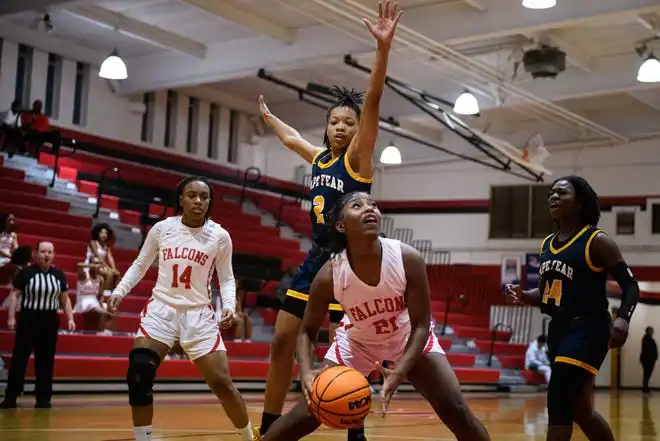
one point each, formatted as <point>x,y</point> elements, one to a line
<point>214,48</point>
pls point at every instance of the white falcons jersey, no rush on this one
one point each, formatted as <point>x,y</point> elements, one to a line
<point>373,314</point>
<point>187,258</point>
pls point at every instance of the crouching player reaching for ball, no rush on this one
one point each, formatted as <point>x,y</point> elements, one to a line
<point>382,286</point>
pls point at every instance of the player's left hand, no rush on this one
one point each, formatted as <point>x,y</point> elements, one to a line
<point>392,381</point>
<point>227,319</point>
<point>619,333</point>
<point>72,325</point>
<point>388,19</point>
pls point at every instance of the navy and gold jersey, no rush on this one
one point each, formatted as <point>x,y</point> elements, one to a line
<point>331,178</point>
<point>571,285</point>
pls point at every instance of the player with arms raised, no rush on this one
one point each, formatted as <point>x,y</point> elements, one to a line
<point>382,286</point>
<point>189,248</point>
<point>575,262</point>
<point>343,165</point>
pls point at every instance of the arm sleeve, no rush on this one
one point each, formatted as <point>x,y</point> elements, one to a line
<point>629,290</point>
<point>140,266</point>
<point>223,266</point>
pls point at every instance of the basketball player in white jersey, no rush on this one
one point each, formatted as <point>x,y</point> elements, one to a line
<point>189,247</point>
<point>383,289</point>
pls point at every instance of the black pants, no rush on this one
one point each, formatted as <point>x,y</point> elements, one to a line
<point>12,140</point>
<point>648,371</point>
<point>35,330</point>
<point>54,137</point>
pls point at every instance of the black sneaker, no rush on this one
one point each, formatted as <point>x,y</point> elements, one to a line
<point>8,403</point>
<point>43,405</point>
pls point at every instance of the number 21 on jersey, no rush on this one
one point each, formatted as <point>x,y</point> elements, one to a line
<point>183,278</point>
<point>319,204</point>
<point>552,291</point>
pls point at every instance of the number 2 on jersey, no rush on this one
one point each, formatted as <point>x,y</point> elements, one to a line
<point>184,278</point>
<point>386,326</point>
<point>319,205</point>
<point>553,291</point>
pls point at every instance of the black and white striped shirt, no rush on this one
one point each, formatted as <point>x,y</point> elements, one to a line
<point>40,288</point>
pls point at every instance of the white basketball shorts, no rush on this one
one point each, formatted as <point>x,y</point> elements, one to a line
<point>364,357</point>
<point>196,329</point>
<point>86,303</point>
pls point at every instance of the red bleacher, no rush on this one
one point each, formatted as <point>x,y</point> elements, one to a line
<point>79,354</point>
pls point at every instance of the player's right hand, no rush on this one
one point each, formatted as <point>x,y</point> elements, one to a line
<point>307,377</point>
<point>263,108</point>
<point>11,323</point>
<point>113,303</point>
<point>514,293</point>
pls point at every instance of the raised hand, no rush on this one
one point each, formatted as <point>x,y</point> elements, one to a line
<point>263,108</point>
<point>388,19</point>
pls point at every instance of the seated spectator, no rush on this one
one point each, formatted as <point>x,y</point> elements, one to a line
<point>243,330</point>
<point>38,129</point>
<point>20,259</point>
<point>100,247</point>
<point>89,297</point>
<point>8,239</point>
<point>12,126</point>
<point>536,358</point>
<point>285,283</point>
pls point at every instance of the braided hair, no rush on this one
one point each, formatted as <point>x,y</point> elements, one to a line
<point>344,97</point>
<point>178,208</point>
<point>585,194</point>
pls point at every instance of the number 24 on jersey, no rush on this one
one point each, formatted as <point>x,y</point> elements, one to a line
<point>552,291</point>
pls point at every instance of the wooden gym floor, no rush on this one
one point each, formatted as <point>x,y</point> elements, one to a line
<point>200,418</point>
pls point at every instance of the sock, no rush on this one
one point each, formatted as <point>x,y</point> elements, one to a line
<point>142,433</point>
<point>246,432</point>
<point>266,420</point>
<point>356,434</point>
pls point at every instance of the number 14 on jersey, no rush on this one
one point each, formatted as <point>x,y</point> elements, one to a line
<point>183,278</point>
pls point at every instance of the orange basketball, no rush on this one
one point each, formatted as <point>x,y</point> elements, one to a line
<point>340,398</point>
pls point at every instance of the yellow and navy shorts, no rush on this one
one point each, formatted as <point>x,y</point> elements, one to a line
<point>582,341</point>
<point>296,297</point>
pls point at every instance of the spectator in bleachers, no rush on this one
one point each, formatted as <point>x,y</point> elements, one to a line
<point>42,290</point>
<point>89,296</point>
<point>243,330</point>
<point>536,358</point>
<point>100,247</point>
<point>20,259</point>
<point>38,129</point>
<point>8,238</point>
<point>11,124</point>
<point>648,357</point>
<point>285,283</point>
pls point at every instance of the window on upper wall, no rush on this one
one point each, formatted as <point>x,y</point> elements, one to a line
<point>53,86</point>
<point>625,223</point>
<point>81,94</point>
<point>147,131</point>
<point>655,219</point>
<point>234,125</point>
<point>23,75</point>
<point>214,131</point>
<point>170,119</point>
<point>519,212</point>
<point>193,125</point>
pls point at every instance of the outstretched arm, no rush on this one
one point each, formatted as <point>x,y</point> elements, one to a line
<point>361,150</point>
<point>288,135</point>
<point>140,266</point>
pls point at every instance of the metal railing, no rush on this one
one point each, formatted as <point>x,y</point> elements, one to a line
<point>448,302</point>
<point>493,338</point>
<point>57,151</point>
<point>101,187</point>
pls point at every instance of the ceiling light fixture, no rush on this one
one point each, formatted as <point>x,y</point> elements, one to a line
<point>539,4</point>
<point>466,104</point>
<point>391,155</point>
<point>649,71</point>
<point>113,67</point>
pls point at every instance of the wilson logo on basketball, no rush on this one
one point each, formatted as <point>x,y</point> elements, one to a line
<point>358,404</point>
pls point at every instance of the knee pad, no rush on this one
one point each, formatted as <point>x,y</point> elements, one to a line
<point>142,365</point>
<point>565,384</point>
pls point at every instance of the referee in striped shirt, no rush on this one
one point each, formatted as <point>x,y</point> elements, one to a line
<point>42,290</point>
